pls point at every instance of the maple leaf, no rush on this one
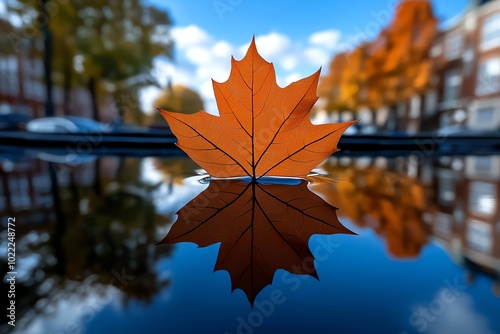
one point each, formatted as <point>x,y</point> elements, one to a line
<point>262,130</point>
<point>261,228</point>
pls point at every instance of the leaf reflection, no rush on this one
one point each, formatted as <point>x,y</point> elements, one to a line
<point>261,228</point>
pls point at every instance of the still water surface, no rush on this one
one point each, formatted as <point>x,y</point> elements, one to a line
<point>414,247</point>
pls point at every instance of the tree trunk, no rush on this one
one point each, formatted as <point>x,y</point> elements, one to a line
<point>374,116</point>
<point>43,19</point>
<point>60,226</point>
<point>93,98</point>
<point>119,105</point>
<point>68,73</point>
<point>97,178</point>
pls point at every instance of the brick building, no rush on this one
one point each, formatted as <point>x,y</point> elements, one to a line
<point>22,88</point>
<point>465,82</point>
<point>465,86</point>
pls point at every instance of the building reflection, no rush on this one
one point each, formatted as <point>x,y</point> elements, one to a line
<point>452,201</point>
<point>83,231</point>
<point>466,217</point>
<point>25,190</point>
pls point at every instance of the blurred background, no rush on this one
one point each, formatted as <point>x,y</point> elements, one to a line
<point>398,66</point>
<point>80,82</point>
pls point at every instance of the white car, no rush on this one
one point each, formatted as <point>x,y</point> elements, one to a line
<point>69,124</point>
<point>449,130</point>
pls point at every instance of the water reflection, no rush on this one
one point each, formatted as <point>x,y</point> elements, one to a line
<point>260,227</point>
<point>87,233</point>
<point>453,201</point>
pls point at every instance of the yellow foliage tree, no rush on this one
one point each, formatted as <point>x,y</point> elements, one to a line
<point>409,39</point>
<point>329,87</point>
<point>391,68</point>
<point>177,98</point>
<point>353,79</point>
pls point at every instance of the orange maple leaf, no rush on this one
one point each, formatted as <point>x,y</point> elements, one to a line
<point>261,228</point>
<point>262,130</point>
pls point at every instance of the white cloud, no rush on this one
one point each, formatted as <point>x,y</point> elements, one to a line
<point>272,45</point>
<point>199,55</point>
<point>289,62</point>
<point>460,317</point>
<point>200,58</point>
<point>222,49</point>
<point>206,90</point>
<point>71,306</point>
<point>292,77</point>
<point>147,97</point>
<point>317,56</point>
<point>191,35</point>
<point>327,39</point>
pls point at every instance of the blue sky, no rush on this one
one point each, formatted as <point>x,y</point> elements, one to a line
<point>297,36</point>
<point>298,19</point>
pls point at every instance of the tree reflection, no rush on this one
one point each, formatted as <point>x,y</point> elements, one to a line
<point>378,198</point>
<point>95,239</point>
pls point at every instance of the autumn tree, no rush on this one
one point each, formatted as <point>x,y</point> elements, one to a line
<point>115,43</point>
<point>119,41</point>
<point>353,90</point>
<point>5,29</point>
<point>410,37</point>
<point>329,87</point>
<point>391,68</point>
<point>177,98</point>
<point>374,73</point>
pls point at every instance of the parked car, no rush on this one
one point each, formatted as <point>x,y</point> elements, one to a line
<point>460,131</point>
<point>68,124</point>
<point>450,131</point>
<point>360,130</point>
<point>368,129</point>
<point>352,130</point>
<point>68,159</point>
<point>13,122</point>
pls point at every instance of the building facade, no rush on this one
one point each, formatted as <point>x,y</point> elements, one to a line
<point>22,88</point>
<point>465,86</point>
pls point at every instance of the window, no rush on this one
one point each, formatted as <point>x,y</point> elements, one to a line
<point>485,117</point>
<point>483,168</point>
<point>446,192</point>
<point>13,84</point>
<point>430,102</point>
<point>401,109</point>
<point>488,77</point>
<point>490,37</point>
<point>479,236</point>
<point>436,51</point>
<point>483,164</point>
<point>454,46</point>
<point>443,224</point>
<point>482,198</point>
<point>27,85</point>
<point>452,85</point>
<point>12,64</point>
<point>415,105</point>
